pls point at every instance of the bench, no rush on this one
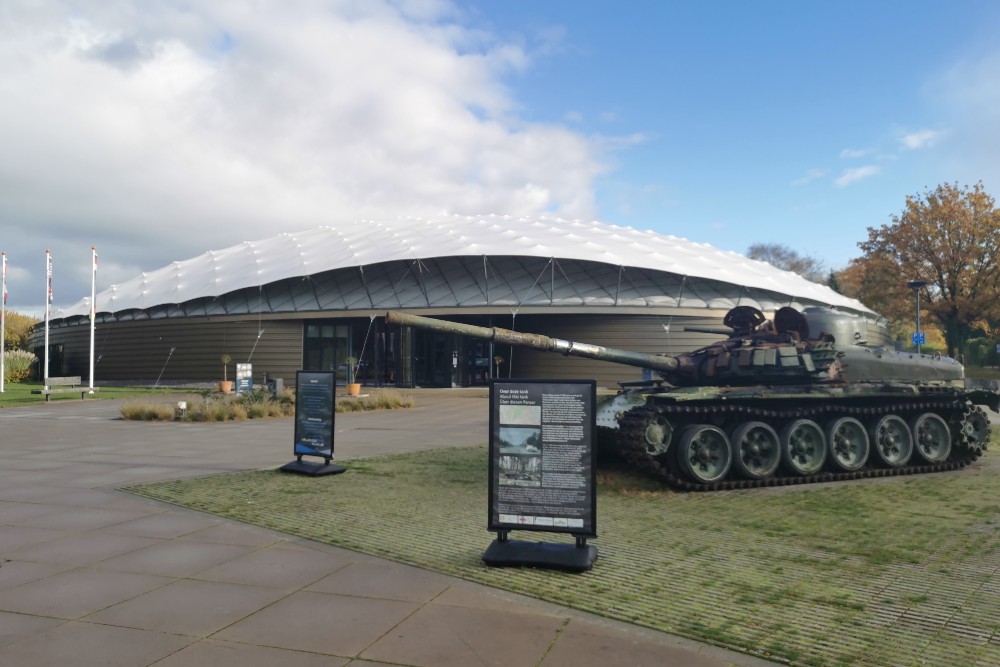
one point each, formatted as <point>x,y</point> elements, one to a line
<point>66,385</point>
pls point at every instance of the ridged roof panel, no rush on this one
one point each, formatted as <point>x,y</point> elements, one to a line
<point>368,242</point>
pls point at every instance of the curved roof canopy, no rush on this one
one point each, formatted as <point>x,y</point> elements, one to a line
<point>470,245</point>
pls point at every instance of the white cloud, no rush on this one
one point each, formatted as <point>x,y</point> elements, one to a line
<point>921,139</point>
<point>160,130</point>
<point>809,177</point>
<point>856,174</point>
<point>854,153</point>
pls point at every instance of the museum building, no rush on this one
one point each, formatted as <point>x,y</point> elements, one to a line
<point>314,299</point>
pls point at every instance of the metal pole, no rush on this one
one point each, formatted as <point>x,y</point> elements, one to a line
<point>93,310</point>
<point>48,308</point>
<point>915,285</point>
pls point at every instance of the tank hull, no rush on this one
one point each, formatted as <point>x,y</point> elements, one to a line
<point>696,438</point>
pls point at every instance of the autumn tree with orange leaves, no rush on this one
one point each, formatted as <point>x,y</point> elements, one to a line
<point>948,236</point>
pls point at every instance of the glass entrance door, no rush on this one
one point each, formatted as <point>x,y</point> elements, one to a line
<point>434,358</point>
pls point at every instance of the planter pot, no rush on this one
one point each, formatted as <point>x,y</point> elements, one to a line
<point>354,389</point>
<point>226,386</point>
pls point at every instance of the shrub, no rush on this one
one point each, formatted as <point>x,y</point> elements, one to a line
<point>219,411</point>
<point>287,397</point>
<point>281,409</point>
<point>140,411</point>
<point>257,411</point>
<point>17,365</point>
<point>255,397</point>
<point>381,399</point>
<point>255,405</point>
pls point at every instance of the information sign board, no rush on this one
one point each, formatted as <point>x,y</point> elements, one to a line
<point>542,463</point>
<point>314,413</point>
<point>244,379</point>
<point>918,338</point>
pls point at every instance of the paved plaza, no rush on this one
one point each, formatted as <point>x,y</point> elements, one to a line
<point>90,575</point>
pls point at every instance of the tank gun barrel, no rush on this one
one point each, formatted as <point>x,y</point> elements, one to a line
<point>721,331</point>
<point>657,362</point>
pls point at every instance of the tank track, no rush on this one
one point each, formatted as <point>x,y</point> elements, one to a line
<point>968,441</point>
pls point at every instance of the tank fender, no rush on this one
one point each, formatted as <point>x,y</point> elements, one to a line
<point>610,409</point>
<point>984,392</point>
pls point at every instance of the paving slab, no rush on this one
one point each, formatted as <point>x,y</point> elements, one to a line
<point>321,623</point>
<point>92,645</point>
<point>215,653</point>
<point>90,575</point>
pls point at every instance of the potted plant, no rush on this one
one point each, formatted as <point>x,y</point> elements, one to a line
<point>225,385</point>
<point>353,388</point>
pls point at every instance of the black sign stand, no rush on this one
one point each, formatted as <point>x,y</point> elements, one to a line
<point>315,411</point>
<point>504,552</point>
<point>543,472</point>
<point>312,468</point>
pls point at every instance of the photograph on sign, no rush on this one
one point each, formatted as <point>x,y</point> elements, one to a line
<point>520,462</point>
<point>542,456</point>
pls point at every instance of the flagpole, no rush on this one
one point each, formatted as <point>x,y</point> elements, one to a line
<point>48,307</point>
<point>3,328</point>
<point>93,313</point>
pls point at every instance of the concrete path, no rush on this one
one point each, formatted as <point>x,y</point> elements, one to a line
<point>93,576</point>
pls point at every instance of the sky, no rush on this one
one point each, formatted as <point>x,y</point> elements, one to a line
<point>157,130</point>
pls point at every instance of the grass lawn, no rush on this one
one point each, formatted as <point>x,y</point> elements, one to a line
<point>19,393</point>
<point>902,571</point>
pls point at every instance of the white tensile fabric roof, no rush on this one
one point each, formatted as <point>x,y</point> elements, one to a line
<point>366,243</point>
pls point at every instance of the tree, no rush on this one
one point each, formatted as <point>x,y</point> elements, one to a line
<point>949,237</point>
<point>17,330</point>
<point>783,257</point>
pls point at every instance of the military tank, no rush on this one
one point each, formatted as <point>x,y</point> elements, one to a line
<point>797,399</point>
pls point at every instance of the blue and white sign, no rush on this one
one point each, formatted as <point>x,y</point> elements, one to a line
<point>244,379</point>
<point>918,338</point>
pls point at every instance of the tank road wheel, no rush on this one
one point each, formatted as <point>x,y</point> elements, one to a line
<point>848,443</point>
<point>803,446</point>
<point>976,429</point>
<point>931,437</point>
<point>704,453</point>
<point>756,450</point>
<point>657,434</point>
<point>891,440</point>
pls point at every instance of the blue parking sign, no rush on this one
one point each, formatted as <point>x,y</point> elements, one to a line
<point>918,338</point>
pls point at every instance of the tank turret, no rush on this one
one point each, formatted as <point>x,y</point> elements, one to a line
<point>803,397</point>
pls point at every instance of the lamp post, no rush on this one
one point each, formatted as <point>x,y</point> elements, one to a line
<point>915,285</point>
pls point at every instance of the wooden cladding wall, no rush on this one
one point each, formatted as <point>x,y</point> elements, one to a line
<point>141,351</point>
<point>181,350</point>
<point>638,333</point>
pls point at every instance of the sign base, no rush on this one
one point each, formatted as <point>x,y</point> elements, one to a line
<point>556,556</point>
<point>312,468</point>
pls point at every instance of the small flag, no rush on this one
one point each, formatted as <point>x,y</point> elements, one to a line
<point>5,279</point>
<point>48,275</point>
<point>93,288</point>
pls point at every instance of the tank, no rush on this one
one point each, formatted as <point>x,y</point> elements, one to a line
<point>772,402</point>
